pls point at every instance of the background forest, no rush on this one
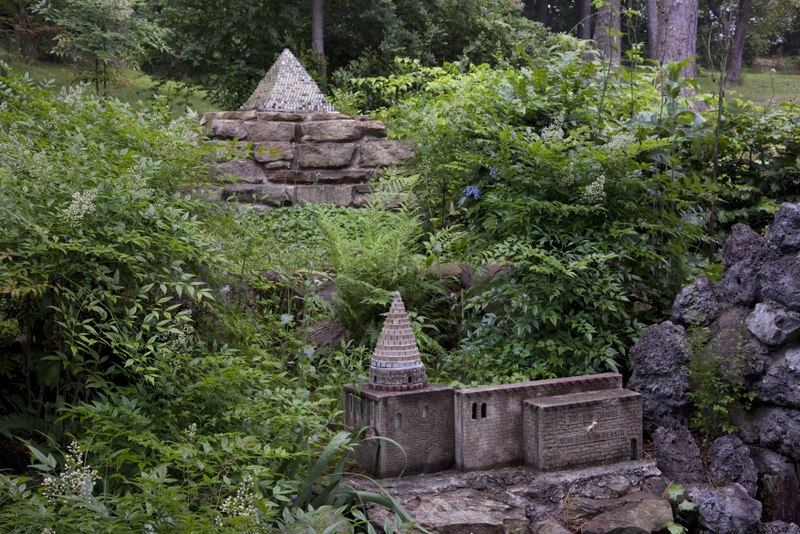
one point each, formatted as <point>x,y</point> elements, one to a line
<point>161,356</point>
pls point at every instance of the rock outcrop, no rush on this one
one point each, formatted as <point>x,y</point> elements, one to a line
<point>750,326</point>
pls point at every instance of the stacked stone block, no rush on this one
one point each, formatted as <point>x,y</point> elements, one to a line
<point>287,158</point>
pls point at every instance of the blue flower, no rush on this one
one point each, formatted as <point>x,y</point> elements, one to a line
<point>472,191</point>
<point>493,172</point>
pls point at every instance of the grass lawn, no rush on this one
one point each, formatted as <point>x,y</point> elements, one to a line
<point>761,87</point>
<point>131,86</point>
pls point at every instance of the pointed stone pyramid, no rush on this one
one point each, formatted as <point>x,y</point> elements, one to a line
<point>396,364</point>
<point>287,87</point>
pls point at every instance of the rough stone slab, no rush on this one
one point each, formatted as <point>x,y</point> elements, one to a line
<point>261,194</point>
<point>780,281</point>
<point>326,116</point>
<point>269,152</point>
<point>743,255</point>
<point>346,176</point>
<point>325,155</point>
<point>678,455</point>
<point>640,513</point>
<point>236,115</point>
<point>374,128</point>
<point>337,195</point>
<point>260,131</point>
<point>331,130</point>
<point>229,129</point>
<point>541,496</point>
<point>281,116</point>
<point>386,153</point>
<point>245,170</point>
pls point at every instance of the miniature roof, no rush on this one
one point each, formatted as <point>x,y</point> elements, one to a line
<point>396,343</point>
<point>287,87</point>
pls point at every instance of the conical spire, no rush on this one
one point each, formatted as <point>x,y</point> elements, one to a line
<point>287,87</point>
<point>396,365</point>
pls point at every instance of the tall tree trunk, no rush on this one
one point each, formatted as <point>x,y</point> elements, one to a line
<point>677,32</point>
<point>607,31</point>
<point>652,28</point>
<point>736,51</point>
<point>529,9</point>
<point>585,19</point>
<point>541,11</point>
<point>318,36</point>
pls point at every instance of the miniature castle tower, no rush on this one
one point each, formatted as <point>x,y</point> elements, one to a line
<point>396,364</point>
<point>398,404</point>
<point>287,87</point>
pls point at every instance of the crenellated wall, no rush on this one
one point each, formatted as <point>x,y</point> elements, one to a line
<point>298,158</point>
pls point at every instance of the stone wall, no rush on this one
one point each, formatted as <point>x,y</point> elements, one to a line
<point>489,420</point>
<point>421,421</point>
<point>298,158</point>
<point>590,428</point>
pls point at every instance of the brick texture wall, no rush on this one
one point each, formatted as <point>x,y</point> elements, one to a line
<point>582,429</point>
<point>420,421</point>
<point>496,438</point>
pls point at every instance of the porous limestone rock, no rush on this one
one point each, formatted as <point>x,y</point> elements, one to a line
<point>696,304</point>
<point>773,324</point>
<point>778,527</point>
<point>742,355</point>
<point>727,509</point>
<point>778,486</point>
<point>779,281</point>
<point>659,374</point>
<point>677,455</point>
<point>743,255</point>
<point>729,461</point>
<point>776,428</point>
<point>784,232</point>
<point>780,384</point>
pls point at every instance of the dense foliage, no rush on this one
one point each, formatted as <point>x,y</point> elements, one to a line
<point>594,191</point>
<point>189,405</point>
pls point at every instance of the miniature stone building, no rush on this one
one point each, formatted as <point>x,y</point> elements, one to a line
<point>546,424</point>
<point>302,149</point>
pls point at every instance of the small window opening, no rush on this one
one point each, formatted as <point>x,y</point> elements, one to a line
<point>634,450</point>
<point>374,378</point>
<point>425,411</point>
<point>474,410</point>
<point>398,420</point>
<point>483,410</point>
<point>410,379</point>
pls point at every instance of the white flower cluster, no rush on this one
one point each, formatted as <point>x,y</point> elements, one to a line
<point>554,132</point>
<point>82,204</point>
<point>3,106</point>
<point>182,339</point>
<point>75,479</point>
<point>191,433</point>
<point>595,191</point>
<point>620,141</point>
<point>123,8</point>
<point>240,505</point>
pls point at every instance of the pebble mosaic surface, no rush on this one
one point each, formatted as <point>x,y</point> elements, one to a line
<point>287,87</point>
